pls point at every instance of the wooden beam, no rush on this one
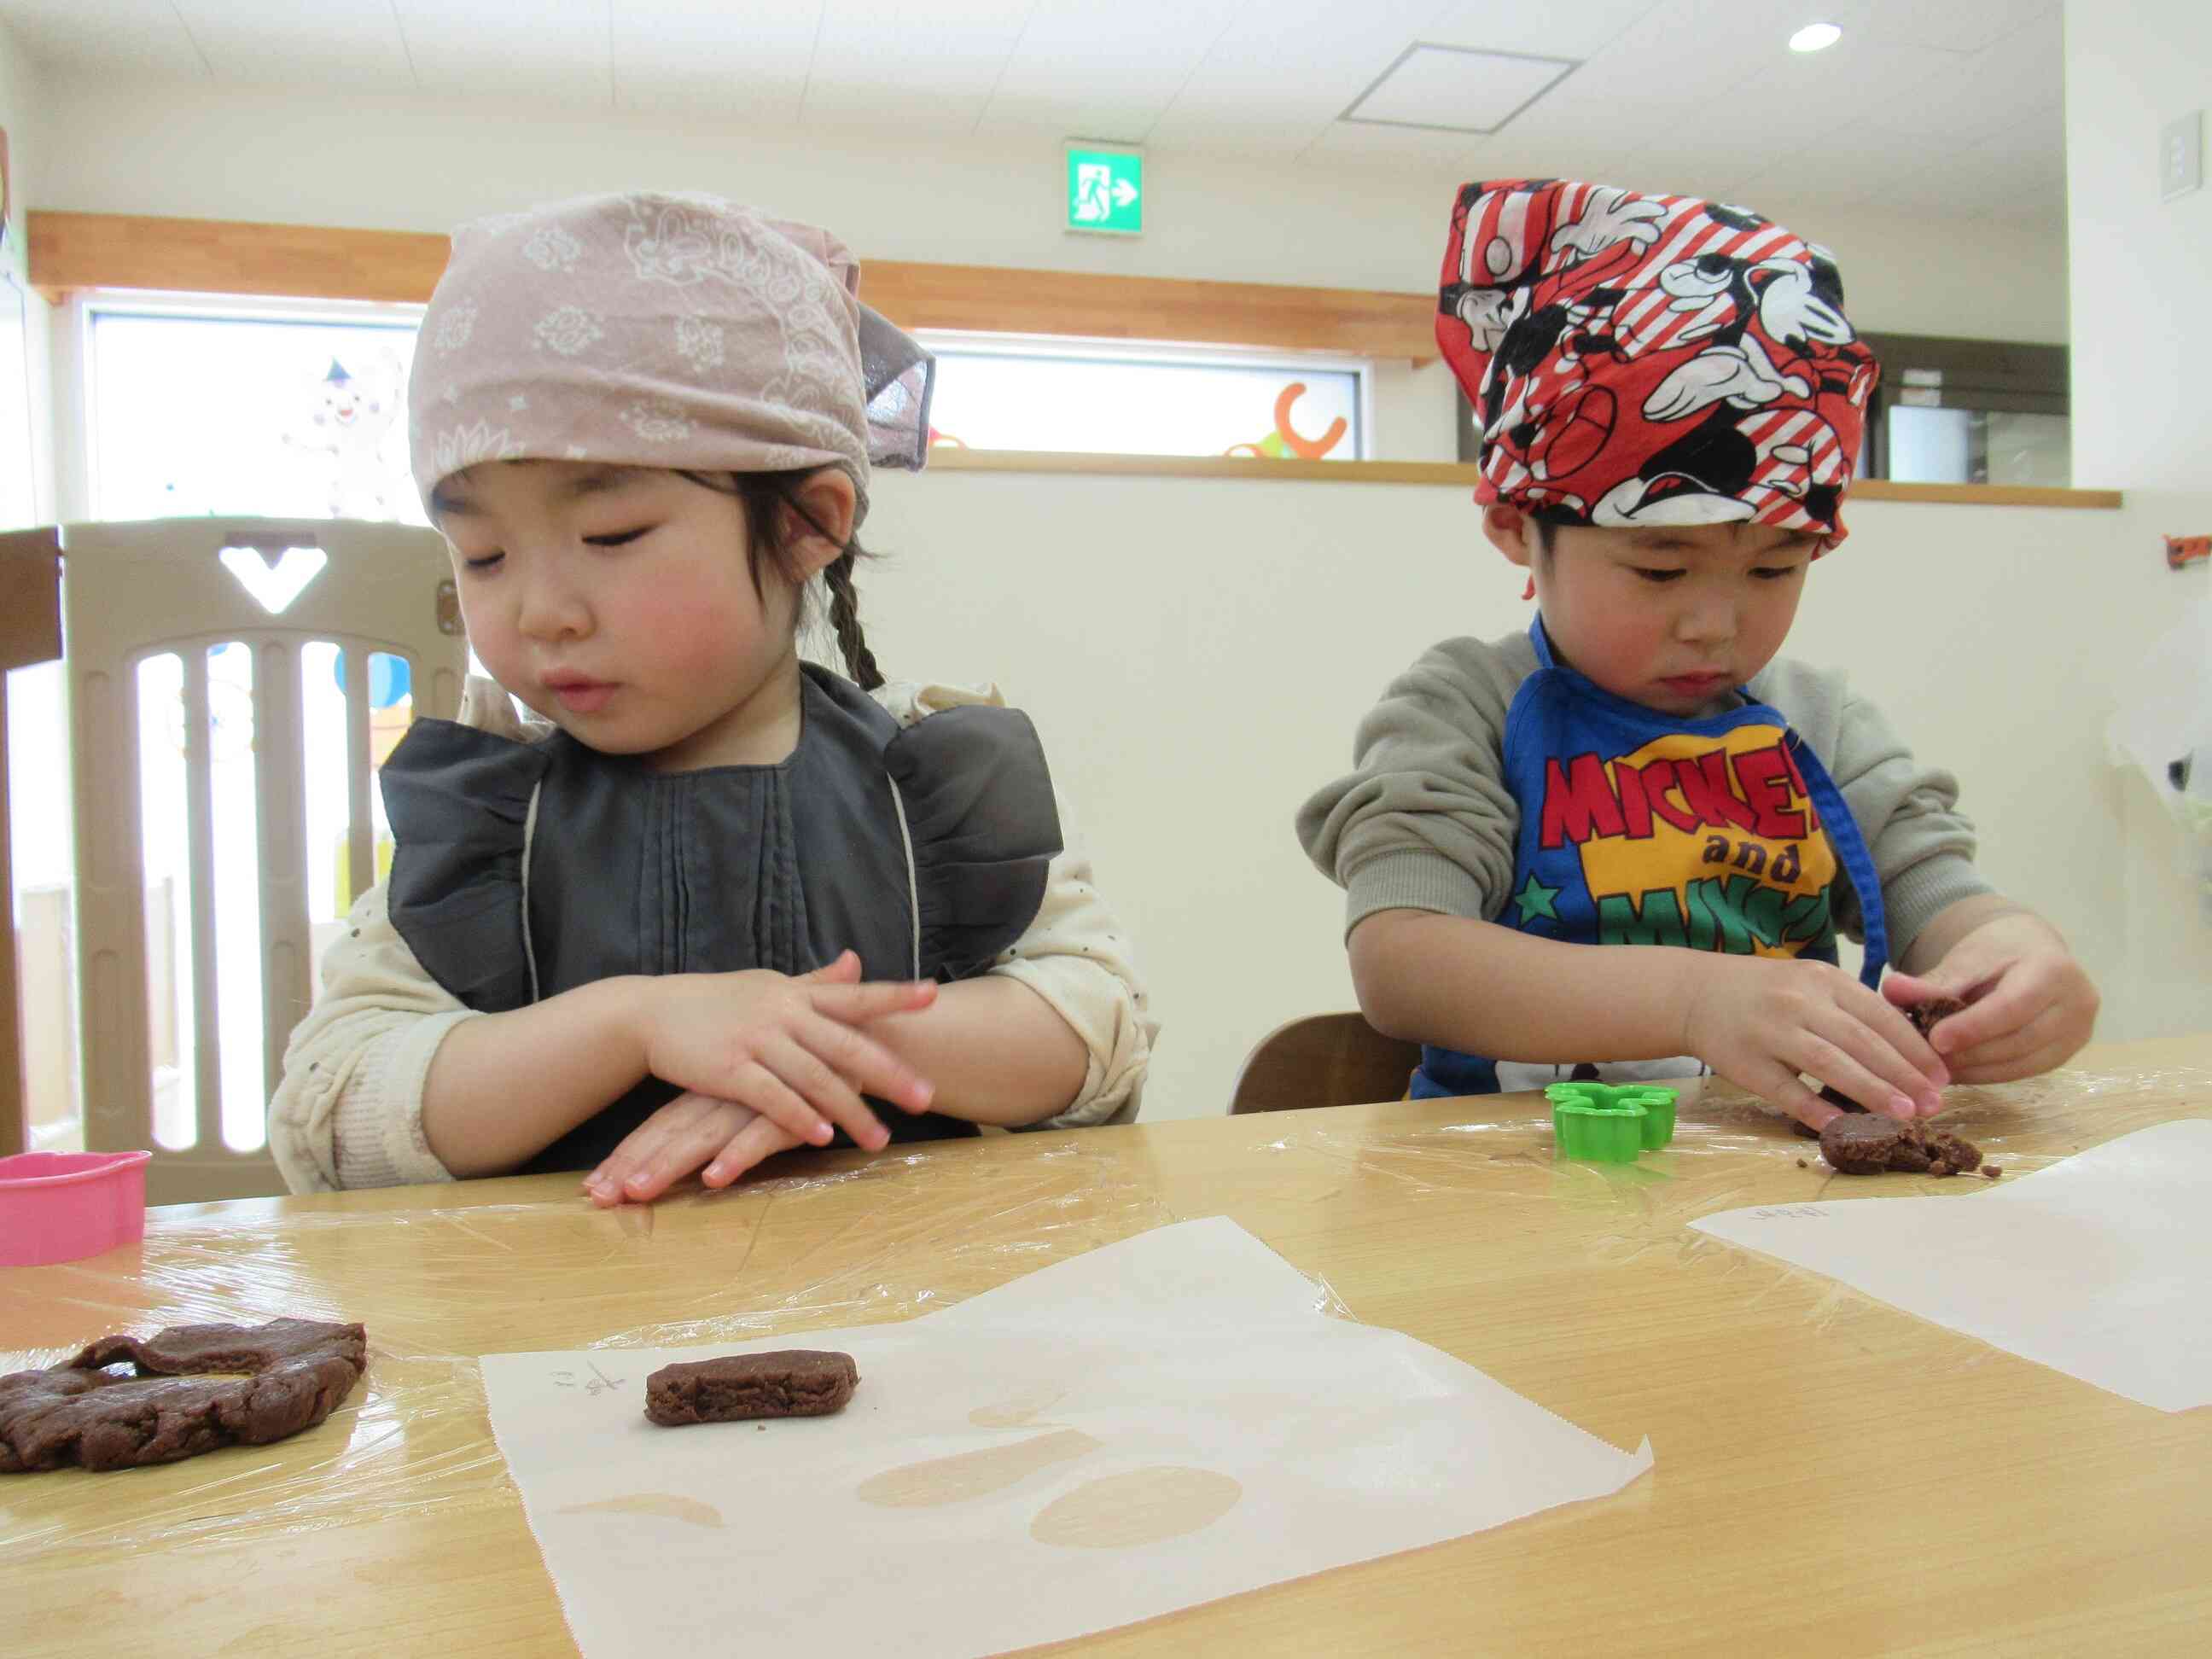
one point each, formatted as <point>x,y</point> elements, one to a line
<point>71,251</point>
<point>1359,322</point>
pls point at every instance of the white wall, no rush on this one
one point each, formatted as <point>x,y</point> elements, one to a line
<point>2142,268</point>
<point>420,164</point>
<point>388,162</point>
<point>23,112</point>
<point>1196,652</point>
<point>2141,271</point>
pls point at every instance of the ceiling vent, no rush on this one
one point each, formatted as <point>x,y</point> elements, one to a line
<point>1456,88</point>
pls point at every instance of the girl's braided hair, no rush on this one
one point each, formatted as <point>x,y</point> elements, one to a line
<point>764,495</point>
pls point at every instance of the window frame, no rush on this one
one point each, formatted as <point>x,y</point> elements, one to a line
<point>1084,348</point>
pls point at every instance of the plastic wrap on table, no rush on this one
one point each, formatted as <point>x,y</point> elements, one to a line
<point>2019,1127</point>
<point>888,1240</point>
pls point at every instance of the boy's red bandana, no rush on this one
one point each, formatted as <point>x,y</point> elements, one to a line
<point>1651,360</point>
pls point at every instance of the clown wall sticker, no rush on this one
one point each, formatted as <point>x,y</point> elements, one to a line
<point>346,417</point>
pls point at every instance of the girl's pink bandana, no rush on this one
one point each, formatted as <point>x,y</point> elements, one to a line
<point>1651,360</point>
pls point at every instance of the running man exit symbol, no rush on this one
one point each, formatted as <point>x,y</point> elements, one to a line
<point>1106,191</point>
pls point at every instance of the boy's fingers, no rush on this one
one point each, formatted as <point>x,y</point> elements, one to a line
<point>1843,1052</point>
<point>867,1065</point>
<point>1899,1036</point>
<point>808,1074</point>
<point>2047,1030</point>
<point>856,1005</point>
<point>1780,1087</point>
<point>2007,1007</point>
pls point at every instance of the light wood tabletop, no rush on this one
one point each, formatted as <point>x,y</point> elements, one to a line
<point>1833,1475</point>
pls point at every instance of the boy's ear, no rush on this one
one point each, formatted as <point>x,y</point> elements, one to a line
<point>1511,531</point>
<point>831,502</point>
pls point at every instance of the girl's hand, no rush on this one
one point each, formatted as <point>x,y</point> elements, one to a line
<point>691,1130</point>
<point>1759,1021</point>
<point>787,1048</point>
<point>2029,1007</point>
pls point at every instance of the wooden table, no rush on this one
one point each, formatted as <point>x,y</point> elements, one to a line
<point>1977,1503</point>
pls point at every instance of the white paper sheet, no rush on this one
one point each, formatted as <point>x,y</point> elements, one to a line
<point>1157,1423</point>
<point>2094,1266</point>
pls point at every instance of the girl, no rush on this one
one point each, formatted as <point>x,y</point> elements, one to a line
<point>717,901</point>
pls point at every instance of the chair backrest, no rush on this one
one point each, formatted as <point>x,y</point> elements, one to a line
<point>134,592</point>
<point>30,633</point>
<point>1323,1060</point>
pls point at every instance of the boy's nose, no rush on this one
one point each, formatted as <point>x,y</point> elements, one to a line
<point>1705,620</point>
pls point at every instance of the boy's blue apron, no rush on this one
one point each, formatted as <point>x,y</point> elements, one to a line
<point>1724,833</point>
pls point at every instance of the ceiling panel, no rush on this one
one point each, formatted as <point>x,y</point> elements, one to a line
<point>1988,91</point>
<point>1084,69</point>
<point>278,42</point>
<point>1281,72</point>
<point>1452,86</point>
<point>1954,25</point>
<point>473,48</point>
<point>1579,29</point>
<point>926,69</point>
<point>1663,80</point>
<point>739,64</point>
<point>142,36</point>
<point>1344,142</point>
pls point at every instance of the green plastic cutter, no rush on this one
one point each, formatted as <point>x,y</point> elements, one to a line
<point>1610,1123</point>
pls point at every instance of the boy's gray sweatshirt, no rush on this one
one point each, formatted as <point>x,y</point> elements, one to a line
<point>1425,820</point>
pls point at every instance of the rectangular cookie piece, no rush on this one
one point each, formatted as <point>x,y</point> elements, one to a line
<point>789,1383</point>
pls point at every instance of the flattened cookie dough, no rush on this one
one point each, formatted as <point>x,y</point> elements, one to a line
<point>1867,1143</point>
<point>296,1372</point>
<point>789,1383</point>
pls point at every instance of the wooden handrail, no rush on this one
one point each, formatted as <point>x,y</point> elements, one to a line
<point>72,251</point>
<point>947,458</point>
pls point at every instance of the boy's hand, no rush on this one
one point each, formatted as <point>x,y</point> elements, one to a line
<point>691,1130</point>
<point>787,1048</point>
<point>2029,1007</point>
<point>1759,1021</point>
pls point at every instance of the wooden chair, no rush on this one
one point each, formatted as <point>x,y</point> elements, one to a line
<point>135,591</point>
<point>1323,1060</point>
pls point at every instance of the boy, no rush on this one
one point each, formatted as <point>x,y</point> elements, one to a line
<point>1670,401</point>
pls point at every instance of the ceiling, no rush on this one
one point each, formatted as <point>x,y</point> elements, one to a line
<point>1951,107</point>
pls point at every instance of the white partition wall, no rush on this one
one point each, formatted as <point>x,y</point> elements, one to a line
<point>1196,652</point>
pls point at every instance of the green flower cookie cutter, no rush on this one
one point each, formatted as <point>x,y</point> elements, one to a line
<point>1610,1123</point>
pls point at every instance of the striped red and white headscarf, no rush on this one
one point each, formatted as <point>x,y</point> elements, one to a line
<point>1651,360</point>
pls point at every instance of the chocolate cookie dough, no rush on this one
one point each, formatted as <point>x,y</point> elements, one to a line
<point>790,1383</point>
<point>296,1372</point>
<point>1923,1015</point>
<point>1867,1143</point>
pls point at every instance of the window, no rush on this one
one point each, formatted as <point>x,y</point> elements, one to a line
<point>274,414</point>
<point>1101,400</point>
<point>1969,411</point>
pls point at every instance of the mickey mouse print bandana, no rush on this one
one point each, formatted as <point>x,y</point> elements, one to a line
<point>1641,360</point>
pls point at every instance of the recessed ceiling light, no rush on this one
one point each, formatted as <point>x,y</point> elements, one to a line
<point>1816,36</point>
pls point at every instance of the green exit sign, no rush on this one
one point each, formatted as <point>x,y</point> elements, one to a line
<point>1105,190</point>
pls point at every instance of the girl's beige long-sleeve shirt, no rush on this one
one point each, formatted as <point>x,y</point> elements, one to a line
<point>349,1111</point>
